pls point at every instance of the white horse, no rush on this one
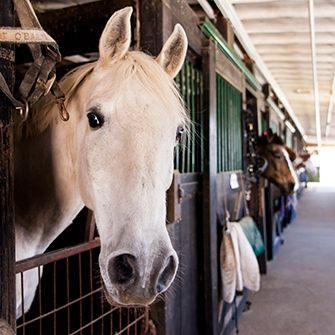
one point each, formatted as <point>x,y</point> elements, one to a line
<point>115,156</point>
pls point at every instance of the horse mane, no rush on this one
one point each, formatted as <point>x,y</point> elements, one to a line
<point>135,65</point>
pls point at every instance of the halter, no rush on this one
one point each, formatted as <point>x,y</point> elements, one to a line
<point>40,78</point>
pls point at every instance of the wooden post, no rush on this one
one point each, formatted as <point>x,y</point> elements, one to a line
<point>209,192</point>
<point>7,231</point>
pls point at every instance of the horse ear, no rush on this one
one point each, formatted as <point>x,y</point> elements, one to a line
<point>116,37</point>
<point>173,53</point>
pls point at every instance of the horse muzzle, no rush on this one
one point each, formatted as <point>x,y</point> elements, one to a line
<point>136,281</point>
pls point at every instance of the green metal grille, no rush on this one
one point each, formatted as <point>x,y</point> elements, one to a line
<point>189,153</point>
<point>229,136</point>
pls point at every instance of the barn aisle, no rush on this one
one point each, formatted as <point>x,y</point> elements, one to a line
<point>298,295</point>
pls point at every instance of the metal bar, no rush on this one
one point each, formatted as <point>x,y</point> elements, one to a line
<point>22,302</point>
<point>218,117</point>
<point>193,112</point>
<point>39,299</point>
<point>71,303</point>
<point>50,257</point>
<point>184,144</point>
<point>209,29</point>
<point>7,230</point>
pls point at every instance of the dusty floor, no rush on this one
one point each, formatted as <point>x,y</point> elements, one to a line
<point>298,293</point>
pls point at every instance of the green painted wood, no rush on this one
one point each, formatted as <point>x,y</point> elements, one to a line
<point>209,29</point>
<point>229,132</point>
<point>189,153</point>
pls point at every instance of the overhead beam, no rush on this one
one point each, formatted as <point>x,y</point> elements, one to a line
<point>298,25</point>
<point>280,9</point>
<point>315,73</point>
<point>289,38</point>
<point>294,49</point>
<point>228,10</point>
<point>330,107</point>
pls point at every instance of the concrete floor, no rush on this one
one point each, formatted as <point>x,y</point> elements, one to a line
<point>298,293</point>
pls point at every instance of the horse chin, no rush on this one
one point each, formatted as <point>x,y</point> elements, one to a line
<point>126,300</point>
<point>285,189</point>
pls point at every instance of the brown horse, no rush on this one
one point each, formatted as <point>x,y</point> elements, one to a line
<point>279,159</point>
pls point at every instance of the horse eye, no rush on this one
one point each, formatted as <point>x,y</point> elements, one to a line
<point>95,120</point>
<point>179,133</point>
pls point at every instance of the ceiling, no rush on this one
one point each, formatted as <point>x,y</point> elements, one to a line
<point>280,33</point>
<point>277,36</point>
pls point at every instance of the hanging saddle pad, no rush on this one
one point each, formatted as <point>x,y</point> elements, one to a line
<point>248,261</point>
<point>228,268</point>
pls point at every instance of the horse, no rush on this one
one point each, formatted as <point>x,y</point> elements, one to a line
<point>115,156</point>
<point>279,158</point>
<point>304,167</point>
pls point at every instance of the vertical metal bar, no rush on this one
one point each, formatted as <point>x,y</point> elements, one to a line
<point>193,113</point>
<point>177,148</point>
<point>55,296</point>
<point>91,289</point>
<point>39,299</point>
<point>68,296</point>
<point>22,304</point>
<point>7,230</point>
<point>80,293</point>
<point>184,144</point>
<point>222,123</point>
<point>202,120</point>
<point>188,103</point>
<point>120,318</point>
<point>102,311</point>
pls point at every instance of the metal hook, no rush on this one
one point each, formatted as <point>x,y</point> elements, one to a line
<point>23,111</point>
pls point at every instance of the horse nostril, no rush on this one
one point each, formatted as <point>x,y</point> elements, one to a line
<point>165,278</point>
<point>121,268</point>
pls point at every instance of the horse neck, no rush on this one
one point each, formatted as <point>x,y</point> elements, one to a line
<point>47,195</point>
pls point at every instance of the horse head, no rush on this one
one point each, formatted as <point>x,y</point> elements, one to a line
<point>279,157</point>
<point>130,118</point>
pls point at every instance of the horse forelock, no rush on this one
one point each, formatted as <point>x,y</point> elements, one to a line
<point>141,69</point>
<point>134,66</point>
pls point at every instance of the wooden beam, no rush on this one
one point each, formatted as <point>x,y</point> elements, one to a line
<point>209,192</point>
<point>7,230</point>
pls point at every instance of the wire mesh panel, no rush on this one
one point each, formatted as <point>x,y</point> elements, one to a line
<point>229,135</point>
<point>188,155</point>
<point>69,298</point>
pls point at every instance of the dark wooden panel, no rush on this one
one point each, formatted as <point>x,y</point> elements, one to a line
<point>210,256</point>
<point>7,231</point>
<point>77,29</point>
<point>176,11</point>
<point>151,27</point>
<point>180,312</point>
<point>157,22</point>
